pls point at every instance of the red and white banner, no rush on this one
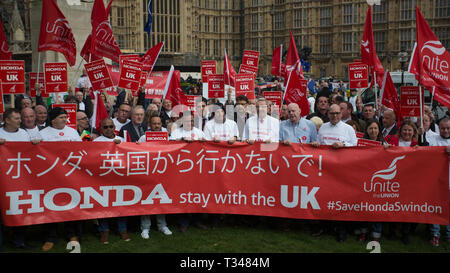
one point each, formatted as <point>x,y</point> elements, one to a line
<point>33,80</point>
<point>55,75</point>
<point>12,76</point>
<point>216,86</point>
<point>251,58</point>
<point>155,84</point>
<point>358,75</point>
<point>245,85</point>
<point>71,109</point>
<point>410,101</point>
<point>156,136</point>
<point>208,68</point>
<point>192,101</point>
<point>47,183</point>
<point>98,74</point>
<point>130,75</point>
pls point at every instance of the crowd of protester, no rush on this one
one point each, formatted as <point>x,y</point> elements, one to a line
<point>336,116</point>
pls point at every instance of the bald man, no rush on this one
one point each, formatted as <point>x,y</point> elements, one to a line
<point>389,123</point>
<point>41,115</point>
<point>297,129</point>
<point>335,132</point>
<point>29,123</point>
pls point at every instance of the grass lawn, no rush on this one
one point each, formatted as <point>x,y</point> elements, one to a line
<point>269,236</point>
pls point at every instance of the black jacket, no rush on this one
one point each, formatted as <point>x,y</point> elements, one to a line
<point>134,136</point>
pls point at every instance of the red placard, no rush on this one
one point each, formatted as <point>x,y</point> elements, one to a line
<point>33,81</point>
<point>367,142</point>
<point>98,74</point>
<point>71,109</point>
<point>358,75</point>
<point>55,77</point>
<point>245,85</point>
<point>276,97</point>
<point>130,75</point>
<point>129,57</point>
<point>156,136</point>
<point>359,135</point>
<point>410,101</point>
<point>216,86</point>
<point>246,69</point>
<point>155,84</point>
<point>251,58</point>
<point>208,68</point>
<point>143,79</point>
<point>191,101</point>
<point>12,76</point>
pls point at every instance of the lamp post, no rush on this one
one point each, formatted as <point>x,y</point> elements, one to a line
<point>403,58</point>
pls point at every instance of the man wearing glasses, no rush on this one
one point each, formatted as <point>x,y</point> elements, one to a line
<point>108,129</point>
<point>335,132</point>
<point>123,115</point>
<point>84,128</point>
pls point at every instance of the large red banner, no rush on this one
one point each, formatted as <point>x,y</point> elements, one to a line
<point>12,76</point>
<point>77,181</point>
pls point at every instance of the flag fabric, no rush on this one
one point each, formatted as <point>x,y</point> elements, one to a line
<point>103,43</point>
<point>108,9</point>
<point>277,60</point>
<point>173,90</point>
<point>151,56</point>
<point>295,93</point>
<point>86,51</point>
<point>55,33</point>
<point>228,71</point>
<point>368,53</point>
<point>99,113</point>
<point>429,61</point>
<point>292,61</point>
<point>148,25</point>
<point>5,54</point>
<point>389,95</point>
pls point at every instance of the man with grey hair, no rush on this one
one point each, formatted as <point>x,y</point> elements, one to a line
<point>297,129</point>
<point>261,127</point>
<point>135,129</point>
<point>335,132</point>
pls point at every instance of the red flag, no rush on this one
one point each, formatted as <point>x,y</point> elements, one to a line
<point>173,91</point>
<point>103,42</point>
<point>5,54</point>
<point>430,60</point>
<point>277,61</point>
<point>389,95</point>
<point>368,53</point>
<point>229,72</point>
<point>86,51</point>
<point>292,61</point>
<point>56,33</point>
<point>296,93</point>
<point>151,56</point>
<point>100,112</point>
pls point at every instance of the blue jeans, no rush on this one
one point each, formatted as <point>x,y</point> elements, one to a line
<point>436,231</point>
<point>146,222</point>
<point>103,224</point>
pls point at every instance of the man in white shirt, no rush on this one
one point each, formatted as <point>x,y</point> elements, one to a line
<point>108,135</point>
<point>335,132</point>
<point>11,130</point>
<point>220,128</point>
<point>155,125</point>
<point>123,115</point>
<point>187,131</point>
<point>58,131</point>
<point>261,127</point>
<point>29,123</point>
